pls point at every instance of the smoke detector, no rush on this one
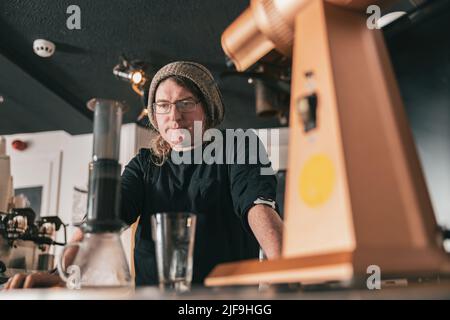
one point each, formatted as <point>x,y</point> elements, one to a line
<point>43,48</point>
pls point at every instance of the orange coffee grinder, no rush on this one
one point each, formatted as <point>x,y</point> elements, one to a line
<point>355,192</point>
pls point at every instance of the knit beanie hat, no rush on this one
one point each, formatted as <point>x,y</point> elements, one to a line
<point>199,75</point>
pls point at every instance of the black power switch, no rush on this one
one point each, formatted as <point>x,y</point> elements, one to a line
<point>307,110</point>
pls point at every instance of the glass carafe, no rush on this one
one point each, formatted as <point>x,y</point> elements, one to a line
<point>100,263</point>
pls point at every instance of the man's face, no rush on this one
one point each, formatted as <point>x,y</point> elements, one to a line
<point>171,124</point>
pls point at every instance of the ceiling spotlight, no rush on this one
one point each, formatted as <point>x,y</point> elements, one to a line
<point>137,77</point>
<point>134,73</point>
<point>143,114</point>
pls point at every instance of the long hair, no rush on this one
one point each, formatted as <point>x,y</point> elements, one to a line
<point>158,145</point>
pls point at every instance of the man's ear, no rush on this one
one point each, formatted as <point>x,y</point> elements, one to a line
<point>154,124</point>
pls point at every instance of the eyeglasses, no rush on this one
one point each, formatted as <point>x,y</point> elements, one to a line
<point>183,106</point>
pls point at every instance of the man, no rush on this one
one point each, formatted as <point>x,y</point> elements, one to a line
<point>233,199</point>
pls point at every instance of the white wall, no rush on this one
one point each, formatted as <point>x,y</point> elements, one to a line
<point>39,164</point>
<point>75,173</point>
<point>434,154</point>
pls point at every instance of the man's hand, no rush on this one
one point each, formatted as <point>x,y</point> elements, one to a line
<point>34,280</point>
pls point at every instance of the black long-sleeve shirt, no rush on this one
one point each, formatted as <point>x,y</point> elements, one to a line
<point>220,195</point>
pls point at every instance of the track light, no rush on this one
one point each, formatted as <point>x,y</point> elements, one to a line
<point>134,73</point>
<point>137,77</point>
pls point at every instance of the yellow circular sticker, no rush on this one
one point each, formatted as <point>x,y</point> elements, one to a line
<point>317,180</point>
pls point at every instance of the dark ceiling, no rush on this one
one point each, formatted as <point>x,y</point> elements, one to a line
<point>51,93</point>
<point>41,94</point>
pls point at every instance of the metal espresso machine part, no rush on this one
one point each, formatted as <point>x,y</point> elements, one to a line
<point>100,259</point>
<point>356,198</point>
<point>27,244</point>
